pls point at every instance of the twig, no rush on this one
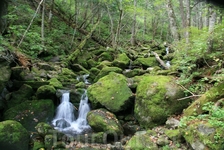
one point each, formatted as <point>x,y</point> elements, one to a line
<point>186,89</point>
<point>30,24</point>
<point>188,97</point>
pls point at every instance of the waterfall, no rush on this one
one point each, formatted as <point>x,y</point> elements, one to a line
<point>167,62</point>
<point>65,120</point>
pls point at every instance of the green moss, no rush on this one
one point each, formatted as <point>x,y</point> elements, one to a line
<point>141,142</point>
<point>55,83</point>
<point>30,113</point>
<point>46,92</point>
<point>23,94</point>
<point>105,71</point>
<point>115,91</point>
<point>122,61</point>
<point>156,99</point>
<point>13,136</point>
<point>148,62</point>
<point>212,95</point>
<point>102,120</point>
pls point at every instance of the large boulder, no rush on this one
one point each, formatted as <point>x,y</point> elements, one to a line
<point>5,72</point>
<point>156,99</point>
<point>46,92</point>
<point>30,113</point>
<point>17,97</point>
<point>13,136</point>
<point>111,92</point>
<point>122,61</point>
<point>102,120</point>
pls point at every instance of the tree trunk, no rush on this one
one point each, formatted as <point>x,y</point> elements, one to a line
<point>111,28</point>
<point>133,31</point>
<point>42,23</point>
<point>172,19</point>
<point>121,12</point>
<point>188,21</point>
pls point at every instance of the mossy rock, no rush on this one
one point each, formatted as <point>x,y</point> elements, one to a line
<point>111,92</point>
<point>141,141</point>
<point>212,95</point>
<point>135,72</point>
<point>105,71</point>
<point>102,120</point>
<point>13,136</point>
<point>30,113</point>
<point>156,100</point>
<point>5,72</point>
<point>104,64</point>
<point>22,74</point>
<point>145,62</point>
<point>122,61</point>
<point>33,84</point>
<point>78,68</point>
<point>98,137</point>
<point>23,94</point>
<point>174,135</point>
<point>44,128</point>
<point>106,55</point>
<point>55,83</point>
<point>46,92</point>
<point>201,134</point>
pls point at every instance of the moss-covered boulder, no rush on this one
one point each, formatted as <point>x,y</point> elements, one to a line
<point>55,83</point>
<point>102,120</point>
<point>141,140</point>
<point>13,136</point>
<point>212,95</point>
<point>111,92</point>
<point>105,71</point>
<point>201,135</point>
<point>145,62</point>
<point>17,97</point>
<point>30,113</point>
<point>34,84</point>
<point>44,129</point>
<point>5,72</point>
<point>135,72</point>
<point>122,61</point>
<point>22,74</point>
<point>156,99</point>
<point>46,92</point>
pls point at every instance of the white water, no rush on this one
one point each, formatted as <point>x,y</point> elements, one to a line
<point>65,120</point>
<point>167,62</point>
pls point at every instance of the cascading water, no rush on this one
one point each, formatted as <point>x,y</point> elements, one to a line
<point>65,120</point>
<point>167,62</point>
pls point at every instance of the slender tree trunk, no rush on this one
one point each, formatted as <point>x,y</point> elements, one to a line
<point>133,31</point>
<point>188,20</point>
<point>42,23</point>
<point>212,21</point>
<point>182,13</point>
<point>172,20</point>
<point>111,27</point>
<point>121,12</point>
<point>3,11</point>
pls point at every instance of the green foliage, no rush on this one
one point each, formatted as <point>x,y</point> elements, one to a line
<point>215,116</point>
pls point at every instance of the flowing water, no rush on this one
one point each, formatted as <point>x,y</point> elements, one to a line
<point>65,120</point>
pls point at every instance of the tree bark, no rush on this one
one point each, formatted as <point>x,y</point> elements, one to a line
<point>172,20</point>
<point>133,30</point>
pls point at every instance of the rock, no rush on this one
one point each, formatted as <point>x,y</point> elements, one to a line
<point>45,66</point>
<point>122,61</point>
<point>141,140</point>
<point>46,92</point>
<point>174,135</point>
<point>102,120</point>
<point>111,92</point>
<point>145,62</point>
<point>5,72</point>
<point>104,64</point>
<point>130,128</point>
<point>24,93</point>
<point>156,100</point>
<point>33,84</point>
<point>22,74</point>
<point>105,71</point>
<point>172,123</point>
<point>201,135</point>
<point>13,136</point>
<point>162,141</point>
<point>55,83</point>
<point>43,128</point>
<point>135,72</point>
<point>30,113</point>
<point>77,68</point>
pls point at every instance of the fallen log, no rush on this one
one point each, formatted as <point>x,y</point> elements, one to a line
<point>160,60</point>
